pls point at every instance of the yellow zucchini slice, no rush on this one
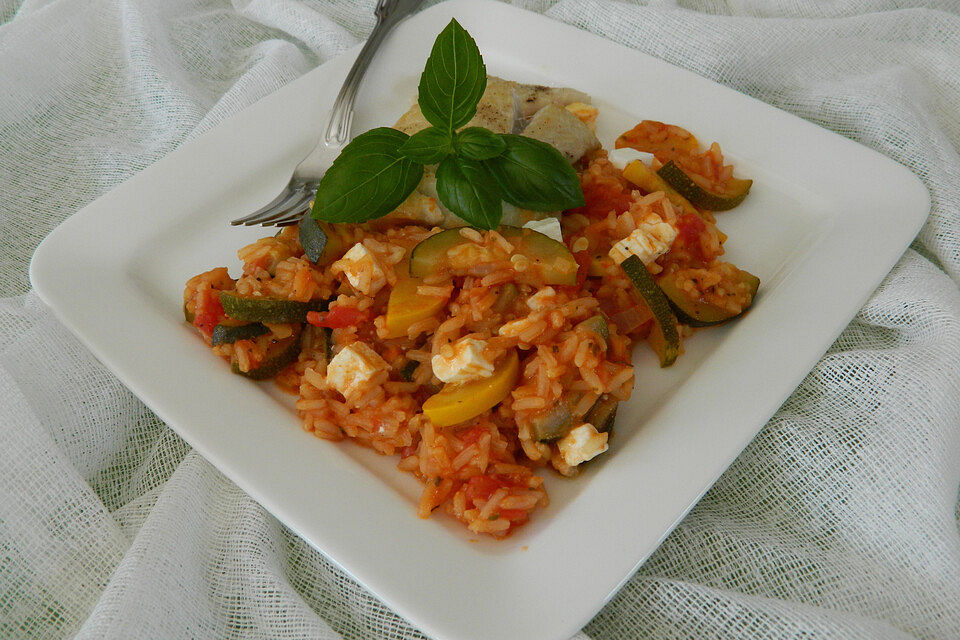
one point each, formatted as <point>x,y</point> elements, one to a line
<point>406,307</point>
<point>458,403</point>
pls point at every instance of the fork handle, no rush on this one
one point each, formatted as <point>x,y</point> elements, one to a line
<point>337,133</point>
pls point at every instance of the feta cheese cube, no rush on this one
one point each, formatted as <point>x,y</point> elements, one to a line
<point>362,269</point>
<point>463,363</point>
<point>549,227</point>
<point>355,369</point>
<point>582,444</point>
<point>648,241</point>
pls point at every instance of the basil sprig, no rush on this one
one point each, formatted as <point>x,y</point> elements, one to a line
<point>368,180</point>
<point>477,168</point>
<point>533,175</point>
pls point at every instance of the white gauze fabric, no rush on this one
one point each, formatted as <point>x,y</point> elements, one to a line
<point>839,521</point>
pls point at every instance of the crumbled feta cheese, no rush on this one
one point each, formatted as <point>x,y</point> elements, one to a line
<point>582,444</point>
<point>620,158</point>
<point>362,269</point>
<point>543,299</point>
<point>549,227</point>
<point>465,363</point>
<point>351,370</point>
<point>648,242</point>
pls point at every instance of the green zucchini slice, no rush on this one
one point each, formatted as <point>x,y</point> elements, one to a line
<point>313,238</point>
<point>664,336</point>
<point>279,356</point>
<point>267,309</point>
<point>603,413</point>
<point>737,189</point>
<point>408,369</point>
<point>560,419</point>
<point>227,334</point>
<point>505,298</point>
<point>697,313</point>
<point>598,325</point>
<point>550,262</point>
<point>316,342</point>
<point>557,422</point>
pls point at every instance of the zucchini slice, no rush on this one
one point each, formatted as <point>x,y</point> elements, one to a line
<point>557,421</point>
<point>313,238</point>
<point>603,413</point>
<point>458,403</point>
<point>664,336</point>
<point>505,297</point>
<point>317,341</point>
<point>408,369</point>
<point>598,325</point>
<point>663,140</point>
<point>697,313</point>
<point>560,419</point>
<point>267,309</point>
<point>650,181</point>
<point>226,334</point>
<point>279,356</point>
<point>683,184</point>
<point>550,262</point>
<point>320,241</point>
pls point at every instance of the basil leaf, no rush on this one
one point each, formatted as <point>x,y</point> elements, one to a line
<point>453,79</point>
<point>467,188</point>
<point>478,143</point>
<point>369,178</point>
<point>429,146</point>
<point>533,175</point>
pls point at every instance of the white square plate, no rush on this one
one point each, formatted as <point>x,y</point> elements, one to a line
<point>825,221</point>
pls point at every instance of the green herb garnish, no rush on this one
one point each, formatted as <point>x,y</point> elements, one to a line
<point>453,79</point>
<point>534,175</point>
<point>477,168</point>
<point>478,143</point>
<point>368,180</point>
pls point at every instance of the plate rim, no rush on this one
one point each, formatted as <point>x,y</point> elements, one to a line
<point>42,270</point>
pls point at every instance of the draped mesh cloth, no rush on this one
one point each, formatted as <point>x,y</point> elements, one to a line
<point>840,520</point>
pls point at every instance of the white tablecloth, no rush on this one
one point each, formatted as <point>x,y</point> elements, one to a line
<point>838,521</point>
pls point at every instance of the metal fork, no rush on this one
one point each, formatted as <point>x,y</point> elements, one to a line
<point>295,199</point>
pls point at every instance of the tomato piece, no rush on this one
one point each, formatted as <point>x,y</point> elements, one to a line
<point>471,435</point>
<point>602,198</point>
<point>480,488</point>
<point>208,311</point>
<point>690,228</point>
<point>338,317</point>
